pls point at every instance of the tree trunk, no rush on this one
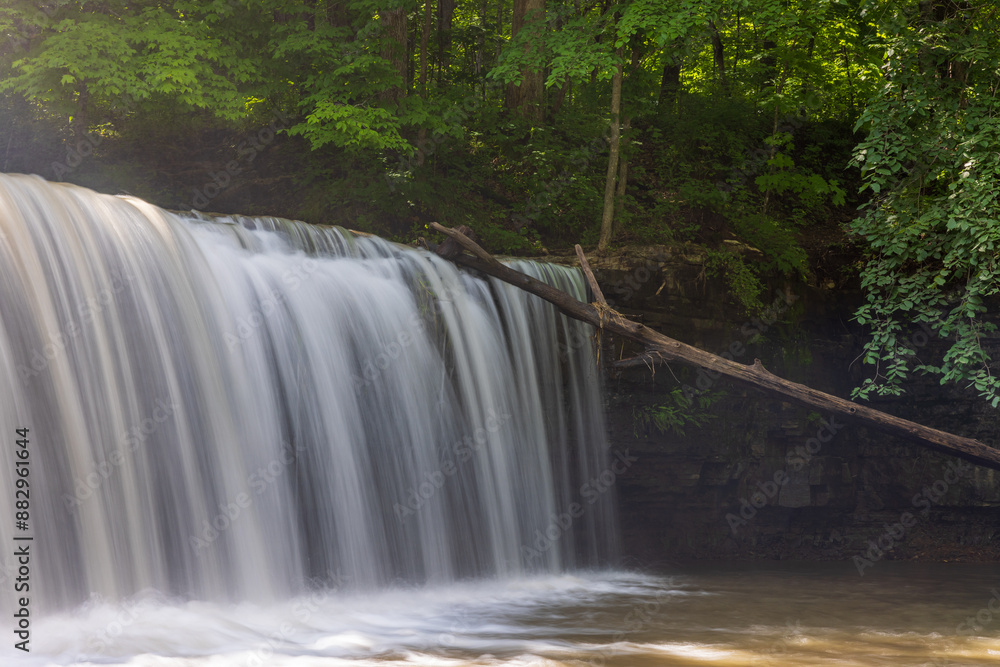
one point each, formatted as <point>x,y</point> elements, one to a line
<point>446,15</point>
<point>769,61</point>
<point>670,85</point>
<point>337,13</point>
<point>82,116</point>
<point>394,48</point>
<point>660,348</point>
<point>623,156</point>
<point>526,99</point>
<point>850,83</point>
<point>560,98</point>
<point>718,53</point>
<point>481,41</point>
<point>424,39</point>
<point>320,18</point>
<point>607,219</point>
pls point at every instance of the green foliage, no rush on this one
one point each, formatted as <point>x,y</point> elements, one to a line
<point>740,116</point>
<point>556,172</point>
<point>570,48</point>
<point>501,240</point>
<point>743,282</point>
<point>344,79</point>
<point>930,158</point>
<point>101,55</point>
<point>350,126</point>
<point>781,250</point>
<point>722,160</point>
<point>783,177</point>
<point>673,417</point>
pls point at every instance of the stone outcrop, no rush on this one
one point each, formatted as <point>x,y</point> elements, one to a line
<point>766,479</point>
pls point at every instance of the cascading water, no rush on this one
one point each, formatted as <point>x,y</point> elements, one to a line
<point>243,411</point>
<point>255,443</point>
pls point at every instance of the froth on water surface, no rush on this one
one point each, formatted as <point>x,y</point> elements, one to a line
<point>780,615</point>
<point>230,412</point>
<point>268,444</point>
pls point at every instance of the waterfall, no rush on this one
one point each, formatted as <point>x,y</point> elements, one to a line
<point>244,409</point>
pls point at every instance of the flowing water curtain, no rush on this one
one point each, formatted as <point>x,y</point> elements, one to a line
<point>234,411</point>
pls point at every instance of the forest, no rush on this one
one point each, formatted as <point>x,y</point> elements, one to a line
<point>853,141</point>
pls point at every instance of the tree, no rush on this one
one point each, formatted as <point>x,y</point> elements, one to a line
<point>658,348</point>
<point>393,21</point>
<point>929,157</point>
<point>86,58</point>
<point>726,98</point>
<point>525,94</point>
<point>610,189</point>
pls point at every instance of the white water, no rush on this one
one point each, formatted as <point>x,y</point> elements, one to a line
<point>243,412</point>
<point>787,615</point>
<point>298,388</point>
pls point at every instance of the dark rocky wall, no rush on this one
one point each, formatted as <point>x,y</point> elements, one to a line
<point>712,492</point>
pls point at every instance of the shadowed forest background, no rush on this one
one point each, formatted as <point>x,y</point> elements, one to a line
<point>836,142</point>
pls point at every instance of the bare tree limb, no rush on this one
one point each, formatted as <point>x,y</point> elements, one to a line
<point>665,349</point>
<point>591,280</point>
<point>462,238</point>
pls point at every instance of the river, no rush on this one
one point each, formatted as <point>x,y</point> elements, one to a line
<point>777,613</point>
<point>253,442</point>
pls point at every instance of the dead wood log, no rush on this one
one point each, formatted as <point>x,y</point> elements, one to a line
<point>589,275</point>
<point>451,247</point>
<point>665,349</point>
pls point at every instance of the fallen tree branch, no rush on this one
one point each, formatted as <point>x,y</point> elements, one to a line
<point>665,349</point>
<point>646,359</point>
<point>461,237</point>
<point>589,275</point>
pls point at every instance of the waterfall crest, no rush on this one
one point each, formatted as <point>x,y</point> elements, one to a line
<point>248,407</point>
